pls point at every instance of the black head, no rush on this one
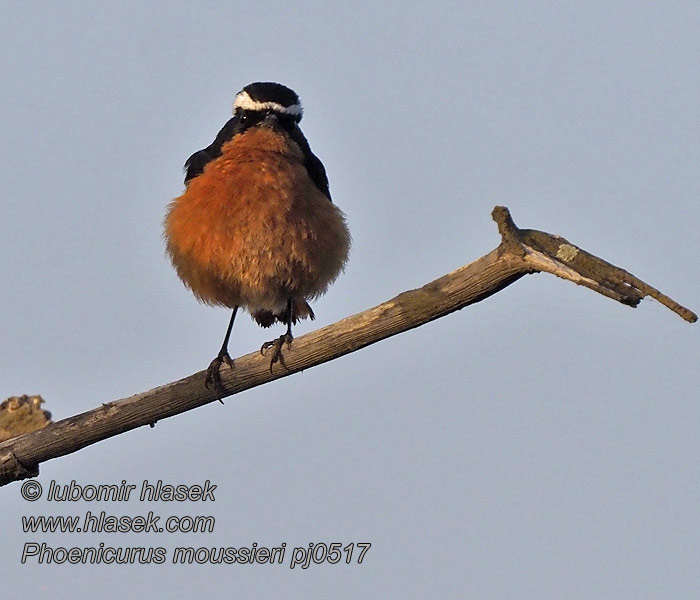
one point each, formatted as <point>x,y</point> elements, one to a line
<point>258,100</point>
<point>268,97</point>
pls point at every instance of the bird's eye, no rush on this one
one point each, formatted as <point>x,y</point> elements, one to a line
<point>243,118</point>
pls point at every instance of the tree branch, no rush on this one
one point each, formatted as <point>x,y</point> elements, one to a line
<point>521,252</point>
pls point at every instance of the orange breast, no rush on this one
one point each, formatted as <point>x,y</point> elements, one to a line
<point>253,230</point>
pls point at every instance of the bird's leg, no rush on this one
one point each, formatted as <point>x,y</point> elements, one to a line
<point>213,379</point>
<point>277,344</point>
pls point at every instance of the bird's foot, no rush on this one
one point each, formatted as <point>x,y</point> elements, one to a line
<point>277,344</point>
<point>213,379</point>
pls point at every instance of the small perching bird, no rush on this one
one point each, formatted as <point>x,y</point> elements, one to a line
<point>255,227</point>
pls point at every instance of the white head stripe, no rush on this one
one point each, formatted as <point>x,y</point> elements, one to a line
<point>244,101</point>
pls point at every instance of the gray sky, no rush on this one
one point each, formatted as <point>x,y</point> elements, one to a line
<point>542,444</point>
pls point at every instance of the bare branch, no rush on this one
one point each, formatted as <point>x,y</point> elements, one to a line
<point>521,252</point>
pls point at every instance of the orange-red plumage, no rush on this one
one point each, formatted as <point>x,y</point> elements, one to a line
<point>253,230</point>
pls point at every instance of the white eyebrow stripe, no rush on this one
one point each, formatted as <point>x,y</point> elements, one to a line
<point>245,102</point>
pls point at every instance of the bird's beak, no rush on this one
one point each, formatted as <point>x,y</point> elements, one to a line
<point>270,120</point>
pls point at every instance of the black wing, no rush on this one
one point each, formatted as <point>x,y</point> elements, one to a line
<point>195,163</point>
<point>317,172</point>
<point>313,164</point>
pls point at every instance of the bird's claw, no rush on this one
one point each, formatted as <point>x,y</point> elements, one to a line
<point>277,355</point>
<point>213,379</point>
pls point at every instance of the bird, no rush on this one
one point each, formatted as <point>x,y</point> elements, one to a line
<point>255,228</point>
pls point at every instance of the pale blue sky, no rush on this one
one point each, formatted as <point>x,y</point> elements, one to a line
<point>542,444</point>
